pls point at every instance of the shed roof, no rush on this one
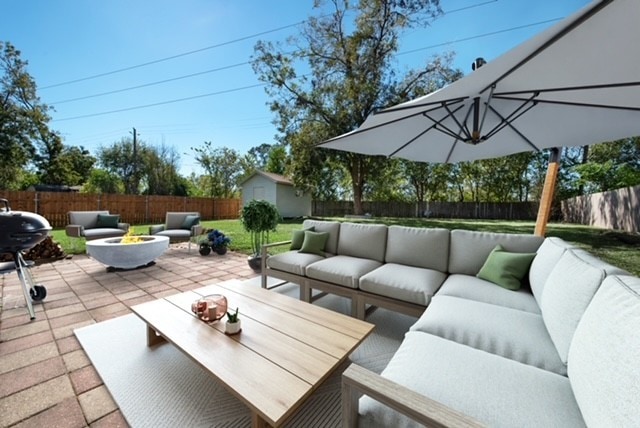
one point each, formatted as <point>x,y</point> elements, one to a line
<point>276,178</point>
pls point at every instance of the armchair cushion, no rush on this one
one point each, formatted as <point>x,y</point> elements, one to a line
<point>108,221</point>
<point>190,221</point>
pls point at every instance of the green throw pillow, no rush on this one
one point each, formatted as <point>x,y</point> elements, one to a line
<point>190,221</point>
<point>108,221</point>
<point>506,269</point>
<point>297,237</point>
<point>314,242</point>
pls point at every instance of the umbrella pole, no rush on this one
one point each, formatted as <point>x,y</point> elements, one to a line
<point>548,189</point>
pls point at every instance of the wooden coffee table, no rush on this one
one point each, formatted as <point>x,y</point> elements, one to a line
<point>286,349</point>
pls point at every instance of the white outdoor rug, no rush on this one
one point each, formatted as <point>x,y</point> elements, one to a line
<point>161,387</point>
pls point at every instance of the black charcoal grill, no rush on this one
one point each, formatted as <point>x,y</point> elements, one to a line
<point>19,231</point>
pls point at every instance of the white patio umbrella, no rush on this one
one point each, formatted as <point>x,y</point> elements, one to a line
<point>574,84</point>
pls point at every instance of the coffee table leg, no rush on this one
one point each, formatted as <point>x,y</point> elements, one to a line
<point>152,337</point>
<point>257,421</point>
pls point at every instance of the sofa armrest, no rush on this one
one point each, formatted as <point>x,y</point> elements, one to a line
<point>155,229</point>
<point>123,226</point>
<point>357,381</point>
<point>274,244</point>
<point>74,230</point>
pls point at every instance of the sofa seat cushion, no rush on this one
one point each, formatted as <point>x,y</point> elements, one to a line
<point>470,287</point>
<point>513,334</point>
<point>292,261</point>
<point>406,283</point>
<point>100,232</point>
<point>494,390</point>
<point>604,355</point>
<point>341,270</point>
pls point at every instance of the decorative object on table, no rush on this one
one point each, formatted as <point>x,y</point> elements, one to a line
<point>233,325</point>
<point>210,308</point>
<point>259,218</point>
<point>215,240</point>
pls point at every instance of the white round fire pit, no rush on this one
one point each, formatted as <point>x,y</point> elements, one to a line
<point>113,253</point>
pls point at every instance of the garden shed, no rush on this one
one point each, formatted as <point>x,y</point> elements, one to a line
<point>278,190</point>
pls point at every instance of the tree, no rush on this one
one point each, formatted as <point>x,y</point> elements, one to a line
<point>610,166</point>
<point>103,181</point>
<point>23,119</point>
<point>277,160</point>
<point>222,167</point>
<point>119,159</point>
<point>350,75</point>
<point>72,166</point>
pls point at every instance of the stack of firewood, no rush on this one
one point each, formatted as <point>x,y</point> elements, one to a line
<point>45,250</point>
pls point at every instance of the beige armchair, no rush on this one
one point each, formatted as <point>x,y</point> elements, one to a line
<point>179,227</point>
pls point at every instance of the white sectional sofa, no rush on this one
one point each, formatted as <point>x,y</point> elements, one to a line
<point>561,351</point>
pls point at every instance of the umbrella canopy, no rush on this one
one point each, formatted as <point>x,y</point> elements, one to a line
<point>574,84</point>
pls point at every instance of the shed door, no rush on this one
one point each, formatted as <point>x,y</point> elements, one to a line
<point>258,193</point>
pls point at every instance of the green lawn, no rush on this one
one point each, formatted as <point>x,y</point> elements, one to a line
<point>618,248</point>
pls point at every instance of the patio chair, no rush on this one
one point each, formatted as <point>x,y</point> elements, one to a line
<point>179,227</point>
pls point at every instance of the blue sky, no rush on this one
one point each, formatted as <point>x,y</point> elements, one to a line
<point>68,40</point>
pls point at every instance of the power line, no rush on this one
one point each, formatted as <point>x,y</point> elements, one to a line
<point>159,82</point>
<point>180,55</point>
<point>466,39</point>
<point>120,70</point>
<point>262,84</point>
<point>160,103</point>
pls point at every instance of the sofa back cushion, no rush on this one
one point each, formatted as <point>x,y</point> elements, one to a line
<point>568,291</point>
<point>332,227</point>
<point>468,250</point>
<point>417,246</point>
<point>174,220</point>
<point>604,355</point>
<point>546,258</point>
<point>86,219</point>
<point>366,241</point>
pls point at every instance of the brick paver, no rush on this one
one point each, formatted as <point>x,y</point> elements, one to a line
<point>46,378</point>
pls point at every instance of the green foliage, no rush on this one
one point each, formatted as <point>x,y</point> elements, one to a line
<point>24,121</point>
<point>259,217</point>
<point>222,167</point>
<point>351,73</point>
<point>232,317</point>
<point>102,181</point>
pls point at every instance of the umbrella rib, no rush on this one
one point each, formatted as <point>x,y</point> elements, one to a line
<point>574,103</point>
<point>462,126</point>
<point>436,103</point>
<point>438,126</point>
<point>588,14</point>
<point>528,103</point>
<point>434,126</point>
<point>510,125</point>
<point>571,88</point>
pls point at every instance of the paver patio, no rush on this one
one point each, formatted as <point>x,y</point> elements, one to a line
<point>45,377</point>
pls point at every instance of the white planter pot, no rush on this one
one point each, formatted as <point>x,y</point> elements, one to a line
<point>232,327</point>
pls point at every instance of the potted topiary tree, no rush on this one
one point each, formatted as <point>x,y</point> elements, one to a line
<point>259,217</point>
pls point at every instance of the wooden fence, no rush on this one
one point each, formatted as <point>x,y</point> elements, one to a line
<point>615,209</point>
<point>133,209</point>
<point>469,210</point>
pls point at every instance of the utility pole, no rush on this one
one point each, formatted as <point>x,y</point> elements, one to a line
<point>135,161</point>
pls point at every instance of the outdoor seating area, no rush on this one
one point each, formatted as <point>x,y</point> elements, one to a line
<point>498,306</point>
